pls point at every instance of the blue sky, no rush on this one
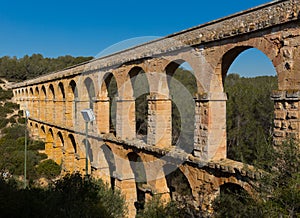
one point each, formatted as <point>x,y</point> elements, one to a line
<point>85,28</point>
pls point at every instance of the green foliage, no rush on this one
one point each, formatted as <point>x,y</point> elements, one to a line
<point>12,152</point>
<point>277,192</point>
<point>36,145</point>
<point>71,196</point>
<point>5,94</point>
<point>14,132</point>
<point>75,196</point>
<point>249,116</point>
<point>20,113</point>
<point>48,169</point>
<point>157,209</point>
<point>29,67</point>
<point>21,120</point>
<point>3,123</point>
<point>11,105</point>
<point>12,120</point>
<point>183,87</point>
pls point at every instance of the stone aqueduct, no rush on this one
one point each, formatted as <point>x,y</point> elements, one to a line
<point>55,101</point>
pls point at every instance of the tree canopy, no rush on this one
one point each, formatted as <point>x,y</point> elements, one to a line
<point>28,67</point>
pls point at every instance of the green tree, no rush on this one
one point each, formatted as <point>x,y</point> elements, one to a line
<point>71,196</point>
<point>12,152</point>
<point>276,194</point>
<point>48,169</point>
<point>249,116</point>
<point>157,209</point>
<point>28,67</point>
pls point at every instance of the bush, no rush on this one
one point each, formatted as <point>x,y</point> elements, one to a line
<point>4,111</point>
<point>77,196</point>
<point>36,145</point>
<point>12,120</point>
<point>11,105</point>
<point>3,123</point>
<point>4,95</point>
<point>277,191</point>
<point>21,113</point>
<point>156,209</point>
<point>48,169</point>
<point>21,120</point>
<point>14,132</point>
<point>71,196</point>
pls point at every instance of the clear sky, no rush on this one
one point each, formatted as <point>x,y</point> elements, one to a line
<point>85,28</point>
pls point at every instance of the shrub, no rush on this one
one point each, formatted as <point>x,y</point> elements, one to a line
<point>11,105</point>
<point>48,169</point>
<point>36,145</point>
<point>4,95</point>
<point>3,123</point>
<point>71,196</point>
<point>21,120</point>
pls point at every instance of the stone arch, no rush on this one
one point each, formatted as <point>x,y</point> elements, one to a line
<point>196,61</point>
<point>106,104</point>
<point>36,131</point>
<point>36,103</point>
<point>89,93</point>
<point>70,154</point>
<point>125,180</point>
<point>61,91</point>
<point>43,96</point>
<point>22,93</point>
<point>51,92</point>
<point>43,92</point>
<point>31,92</point>
<point>88,145</point>
<point>140,177</point>
<point>60,104</point>
<point>72,146</point>
<point>105,84</point>
<point>49,143</point>
<point>72,105</point>
<point>235,190</point>
<point>223,66</point>
<point>231,187</point>
<point>107,165</point>
<point>50,136</point>
<point>228,56</point>
<point>26,92</point>
<point>42,132</point>
<point>178,183</point>
<point>182,90</point>
<point>51,97</point>
<point>59,146</point>
<point>36,92</point>
<point>72,91</point>
<point>140,91</point>
<point>60,140</point>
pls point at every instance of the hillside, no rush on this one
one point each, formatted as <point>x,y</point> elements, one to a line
<point>28,67</point>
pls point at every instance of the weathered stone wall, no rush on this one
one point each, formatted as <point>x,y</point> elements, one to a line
<point>286,115</point>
